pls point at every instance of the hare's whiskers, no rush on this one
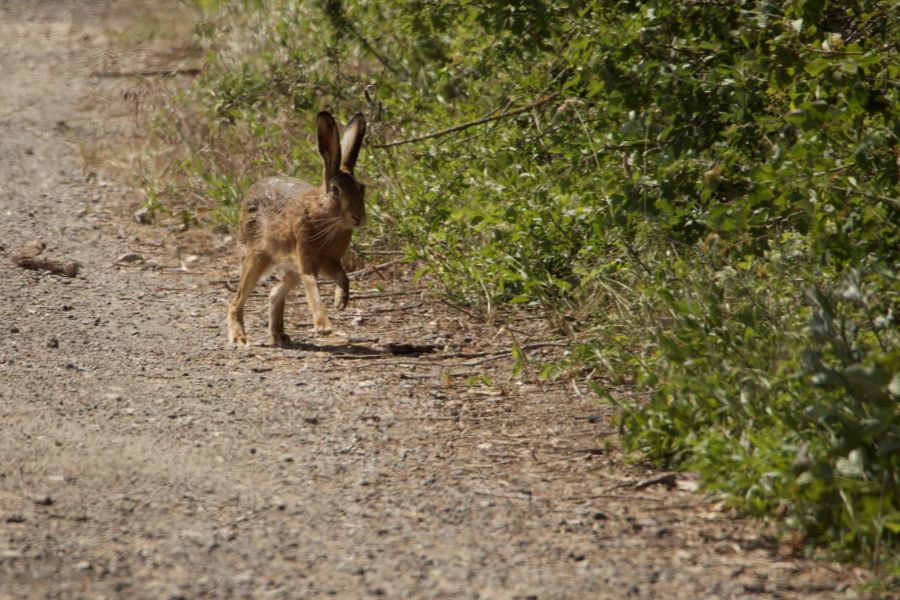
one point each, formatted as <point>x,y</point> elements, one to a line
<point>327,233</point>
<point>335,230</point>
<point>324,228</point>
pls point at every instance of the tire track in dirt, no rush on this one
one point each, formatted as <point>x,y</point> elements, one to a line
<point>141,457</point>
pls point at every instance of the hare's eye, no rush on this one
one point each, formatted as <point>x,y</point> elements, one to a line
<point>334,189</point>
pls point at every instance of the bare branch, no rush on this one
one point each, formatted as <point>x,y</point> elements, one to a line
<point>462,126</point>
<point>39,263</point>
<point>150,72</point>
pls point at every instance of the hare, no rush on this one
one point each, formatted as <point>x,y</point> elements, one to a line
<point>301,230</point>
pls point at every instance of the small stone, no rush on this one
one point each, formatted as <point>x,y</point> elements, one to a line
<point>66,307</point>
<point>44,501</point>
<point>53,343</point>
<point>311,420</point>
<point>663,532</point>
<point>130,257</point>
<point>14,329</point>
<point>141,215</point>
<point>14,519</point>
<point>242,578</point>
<point>83,566</point>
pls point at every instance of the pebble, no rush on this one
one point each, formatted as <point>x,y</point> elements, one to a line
<point>53,343</point>
<point>130,257</point>
<point>243,578</point>
<point>141,215</point>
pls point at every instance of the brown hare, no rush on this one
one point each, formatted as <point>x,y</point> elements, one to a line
<point>301,230</point>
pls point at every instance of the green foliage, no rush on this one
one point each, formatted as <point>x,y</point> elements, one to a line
<point>795,406</point>
<point>705,198</point>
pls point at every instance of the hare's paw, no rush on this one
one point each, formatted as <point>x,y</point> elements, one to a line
<point>281,340</point>
<point>238,338</point>
<point>236,333</point>
<point>322,324</point>
<point>341,298</point>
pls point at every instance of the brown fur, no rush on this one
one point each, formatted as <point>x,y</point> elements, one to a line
<point>301,230</point>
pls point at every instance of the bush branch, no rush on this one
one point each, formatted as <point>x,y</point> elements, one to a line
<point>462,126</point>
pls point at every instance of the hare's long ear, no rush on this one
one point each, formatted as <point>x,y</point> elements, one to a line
<point>329,146</point>
<point>352,141</point>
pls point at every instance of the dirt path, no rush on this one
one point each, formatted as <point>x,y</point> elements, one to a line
<point>141,457</point>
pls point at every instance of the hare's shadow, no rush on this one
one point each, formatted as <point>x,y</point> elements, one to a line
<point>357,350</point>
<point>347,348</point>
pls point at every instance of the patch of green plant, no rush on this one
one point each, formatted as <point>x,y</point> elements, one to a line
<point>792,404</point>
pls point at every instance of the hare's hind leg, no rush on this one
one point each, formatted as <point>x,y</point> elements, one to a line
<point>252,267</point>
<point>277,336</point>
<point>333,269</point>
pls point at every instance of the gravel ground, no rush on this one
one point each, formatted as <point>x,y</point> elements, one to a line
<point>142,457</point>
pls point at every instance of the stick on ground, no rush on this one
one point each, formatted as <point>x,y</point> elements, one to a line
<point>68,268</point>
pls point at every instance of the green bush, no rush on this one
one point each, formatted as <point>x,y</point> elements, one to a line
<point>703,196</point>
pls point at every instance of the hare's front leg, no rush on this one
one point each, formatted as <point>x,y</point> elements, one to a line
<point>320,320</point>
<point>333,269</point>
<point>277,336</point>
<point>252,267</point>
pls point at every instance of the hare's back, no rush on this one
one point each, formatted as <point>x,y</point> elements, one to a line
<point>268,198</point>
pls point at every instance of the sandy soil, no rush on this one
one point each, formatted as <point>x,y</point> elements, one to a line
<point>142,457</point>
